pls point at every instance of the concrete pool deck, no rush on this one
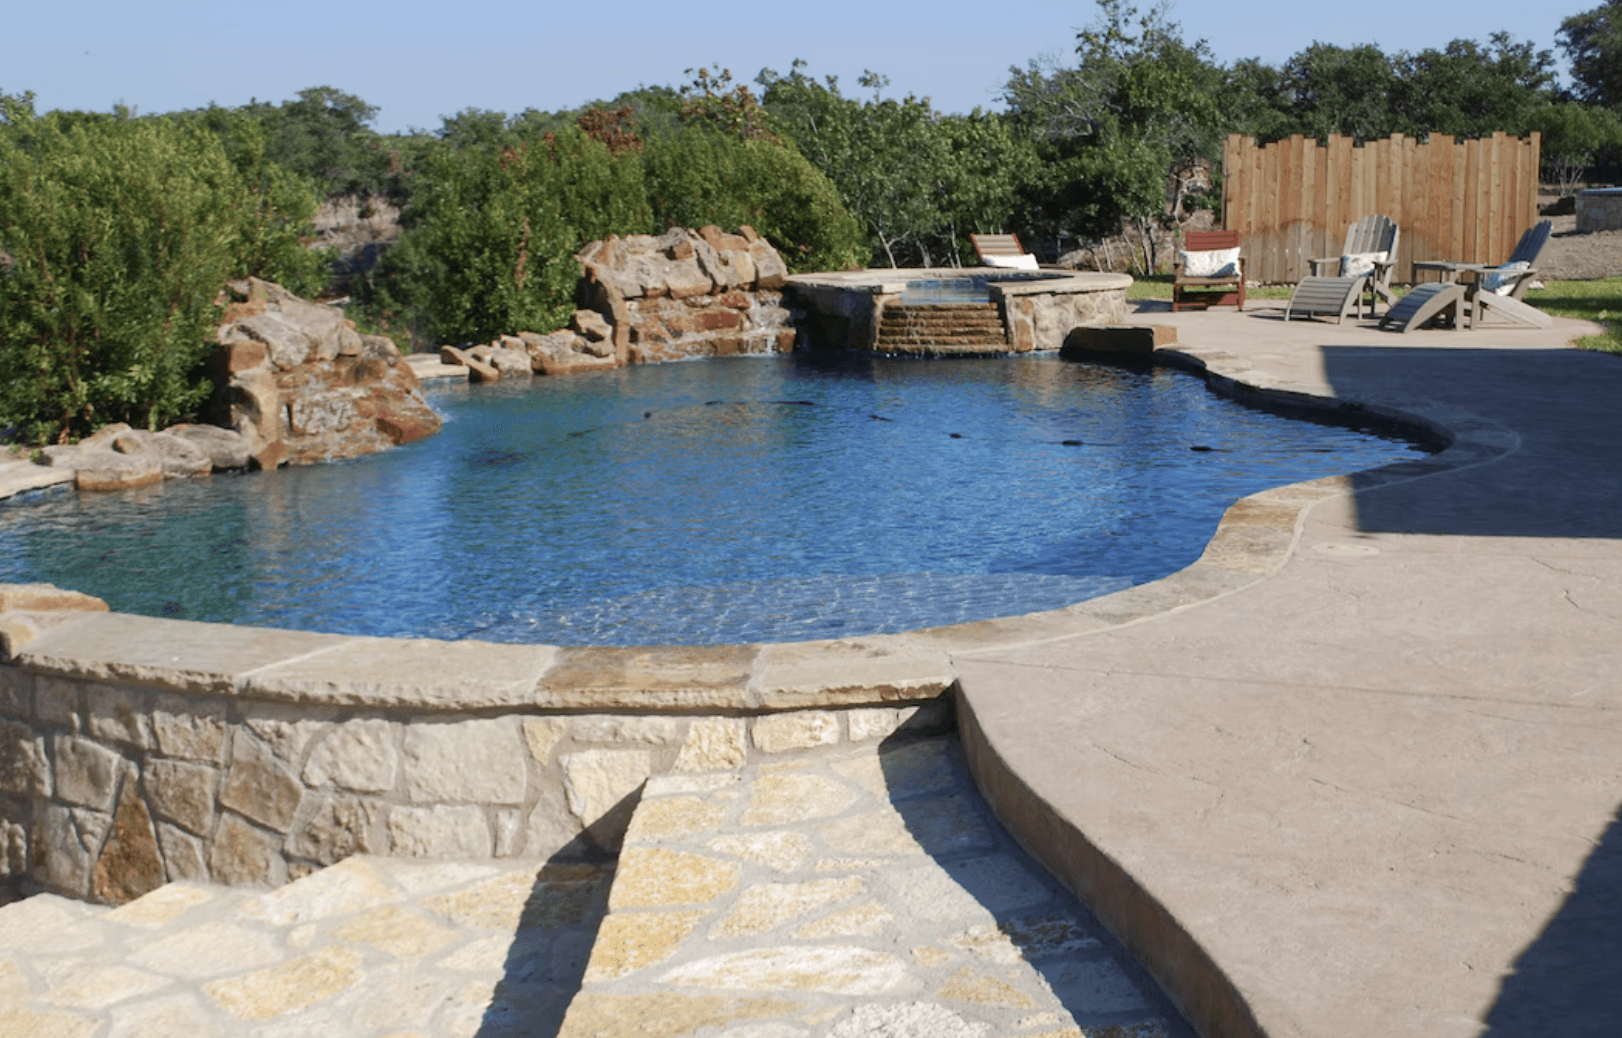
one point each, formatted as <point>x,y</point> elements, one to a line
<point>1375,792</point>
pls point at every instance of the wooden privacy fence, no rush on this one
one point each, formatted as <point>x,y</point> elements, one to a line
<point>1291,200</point>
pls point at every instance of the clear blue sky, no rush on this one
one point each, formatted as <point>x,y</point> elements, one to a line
<point>418,62</point>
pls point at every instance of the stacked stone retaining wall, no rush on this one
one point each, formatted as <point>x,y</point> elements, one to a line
<point>137,751</point>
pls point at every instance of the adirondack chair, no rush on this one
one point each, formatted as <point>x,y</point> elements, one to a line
<point>1486,295</point>
<point>1002,250</point>
<point>1337,284</point>
<point>1218,252</point>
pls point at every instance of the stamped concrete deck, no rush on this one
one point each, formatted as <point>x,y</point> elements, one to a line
<point>1375,792</point>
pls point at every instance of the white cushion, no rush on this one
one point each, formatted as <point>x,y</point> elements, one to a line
<point>1504,283</point>
<point>1360,264</point>
<point>1211,263</point>
<point>1023,262</point>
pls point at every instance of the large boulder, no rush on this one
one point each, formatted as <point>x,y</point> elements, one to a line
<point>304,386</point>
<point>226,448</point>
<point>564,352</point>
<point>681,294</point>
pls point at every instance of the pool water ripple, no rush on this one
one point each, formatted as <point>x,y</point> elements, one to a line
<point>746,499</point>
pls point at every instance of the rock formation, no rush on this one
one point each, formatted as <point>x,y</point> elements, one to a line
<point>116,457</point>
<point>689,294</point>
<point>304,386</point>
<point>649,298</point>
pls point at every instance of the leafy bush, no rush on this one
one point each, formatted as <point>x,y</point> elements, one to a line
<point>491,235</point>
<point>699,177</point>
<point>121,234</point>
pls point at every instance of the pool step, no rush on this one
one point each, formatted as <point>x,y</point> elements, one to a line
<point>942,328</point>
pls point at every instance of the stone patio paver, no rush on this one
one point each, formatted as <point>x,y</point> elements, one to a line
<point>833,892</point>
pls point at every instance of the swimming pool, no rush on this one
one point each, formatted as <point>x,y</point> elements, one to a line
<point>734,500</point>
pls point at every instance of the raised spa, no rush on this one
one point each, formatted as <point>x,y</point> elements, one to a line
<point>736,500</point>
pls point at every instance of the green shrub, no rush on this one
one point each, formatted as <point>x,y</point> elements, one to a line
<point>121,234</point>
<point>491,234</point>
<point>699,176</point>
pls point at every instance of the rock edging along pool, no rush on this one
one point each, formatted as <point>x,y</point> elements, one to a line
<point>741,500</point>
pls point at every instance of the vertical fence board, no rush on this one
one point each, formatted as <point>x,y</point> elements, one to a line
<point>1293,200</point>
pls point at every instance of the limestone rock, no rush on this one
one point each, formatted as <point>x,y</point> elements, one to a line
<point>179,456</point>
<point>590,324</point>
<point>129,865</point>
<point>357,755</point>
<point>62,846</point>
<point>286,345</point>
<point>713,744</point>
<point>481,761</point>
<point>86,773</point>
<point>46,598</point>
<point>602,787</point>
<point>834,969</point>
<point>183,857</point>
<point>882,1020</point>
<point>477,370</point>
<point>259,786</point>
<point>682,294</point>
<point>97,466</point>
<point>439,832</point>
<point>564,352</point>
<point>341,826</point>
<point>226,448</point>
<point>796,730</point>
<point>13,850</point>
<point>182,731</point>
<point>24,769</point>
<point>243,855</point>
<point>510,363</point>
<point>182,793</point>
<point>341,394</point>
<point>256,411</point>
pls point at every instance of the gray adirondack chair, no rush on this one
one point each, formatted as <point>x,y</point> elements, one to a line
<point>1473,303</point>
<point>1329,292</point>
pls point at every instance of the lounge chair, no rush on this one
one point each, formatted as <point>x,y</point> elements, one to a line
<point>1486,295</point>
<point>1337,284</point>
<point>1002,250</point>
<point>1209,261</point>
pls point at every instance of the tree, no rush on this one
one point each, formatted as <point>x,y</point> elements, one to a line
<point>121,233</point>
<point>1592,41</point>
<point>491,233</point>
<point>1129,127</point>
<point>886,157</point>
<point>16,109</point>
<point>1574,137</point>
<point>1470,90</point>
<point>1342,90</point>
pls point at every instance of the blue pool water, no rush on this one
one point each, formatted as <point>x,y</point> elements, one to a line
<point>973,289</point>
<point>732,500</point>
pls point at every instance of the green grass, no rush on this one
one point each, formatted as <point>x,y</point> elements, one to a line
<point>1599,301</point>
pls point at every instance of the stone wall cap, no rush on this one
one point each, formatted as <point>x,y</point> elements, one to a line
<point>184,655</point>
<point>398,672</point>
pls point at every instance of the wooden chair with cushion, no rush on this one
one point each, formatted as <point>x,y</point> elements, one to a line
<point>1002,250</point>
<point>1209,272</point>
<point>1486,295</point>
<point>1338,284</point>
<point>1370,251</point>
